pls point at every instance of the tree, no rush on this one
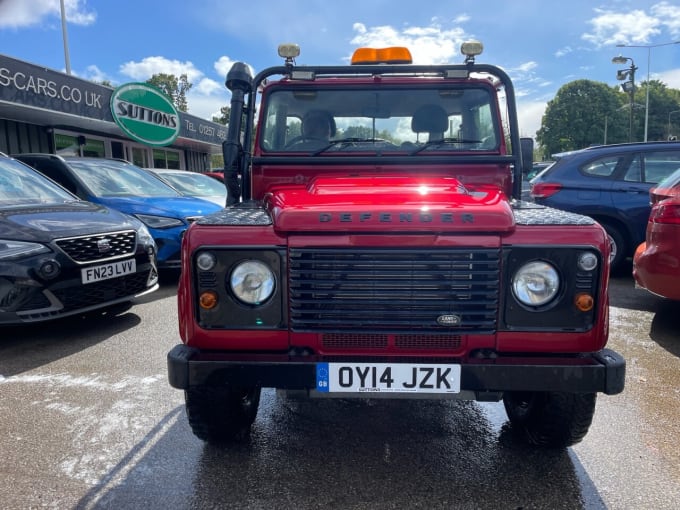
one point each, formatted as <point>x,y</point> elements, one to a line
<point>662,101</point>
<point>223,118</point>
<point>105,83</point>
<point>579,115</point>
<point>175,88</point>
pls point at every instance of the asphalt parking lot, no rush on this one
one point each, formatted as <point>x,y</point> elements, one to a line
<point>88,420</point>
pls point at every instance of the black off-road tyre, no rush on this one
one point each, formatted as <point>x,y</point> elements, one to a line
<point>550,419</point>
<point>218,414</point>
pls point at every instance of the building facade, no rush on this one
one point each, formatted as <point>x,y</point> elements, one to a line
<point>42,110</point>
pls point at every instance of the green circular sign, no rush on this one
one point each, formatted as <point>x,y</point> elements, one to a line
<point>145,114</point>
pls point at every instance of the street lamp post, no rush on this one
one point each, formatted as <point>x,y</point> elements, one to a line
<point>649,57</point>
<point>67,58</point>
<point>628,86</point>
<point>669,122</point>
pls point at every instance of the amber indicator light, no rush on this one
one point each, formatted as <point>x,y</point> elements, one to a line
<point>584,302</point>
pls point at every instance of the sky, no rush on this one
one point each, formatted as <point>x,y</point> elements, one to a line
<point>541,44</point>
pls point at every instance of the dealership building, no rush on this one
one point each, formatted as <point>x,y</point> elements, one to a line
<point>42,110</point>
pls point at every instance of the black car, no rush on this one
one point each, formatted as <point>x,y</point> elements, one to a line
<point>129,189</point>
<point>60,255</point>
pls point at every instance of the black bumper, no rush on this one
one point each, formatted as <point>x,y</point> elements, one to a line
<point>601,372</point>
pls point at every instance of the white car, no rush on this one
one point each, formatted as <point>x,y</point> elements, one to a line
<point>193,184</point>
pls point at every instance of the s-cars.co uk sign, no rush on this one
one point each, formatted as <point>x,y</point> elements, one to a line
<point>145,114</point>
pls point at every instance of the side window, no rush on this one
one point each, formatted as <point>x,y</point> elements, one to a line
<point>56,175</point>
<point>660,164</point>
<point>601,167</point>
<point>634,172</point>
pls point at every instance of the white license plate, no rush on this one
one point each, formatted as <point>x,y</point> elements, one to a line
<point>367,378</point>
<point>107,271</point>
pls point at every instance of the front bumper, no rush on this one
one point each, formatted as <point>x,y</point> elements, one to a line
<point>601,372</point>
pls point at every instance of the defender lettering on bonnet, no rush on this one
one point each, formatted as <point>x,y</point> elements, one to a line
<point>395,217</point>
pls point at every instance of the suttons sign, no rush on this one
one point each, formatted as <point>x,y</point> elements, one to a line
<point>145,114</point>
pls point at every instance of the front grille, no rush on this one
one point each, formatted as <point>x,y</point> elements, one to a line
<point>393,290</point>
<point>98,247</point>
<point>344,341</point>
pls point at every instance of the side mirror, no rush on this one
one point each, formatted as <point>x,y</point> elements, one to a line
<point>527,149</point>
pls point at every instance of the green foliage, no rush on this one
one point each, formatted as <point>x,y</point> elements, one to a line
<point>223,118</point>
<point>175,88</point>
<point>578,116</point>
<point>585,112</point>
<point>367,132</point>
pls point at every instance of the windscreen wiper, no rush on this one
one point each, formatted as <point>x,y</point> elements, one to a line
<point>442,142</point>
<point>347,142</point>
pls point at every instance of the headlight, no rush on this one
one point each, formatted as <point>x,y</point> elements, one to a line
<point>16,249</point>
<point>535,283</point>
<point>143,235</point>
<point>159,221</point>
<point>252,282</point>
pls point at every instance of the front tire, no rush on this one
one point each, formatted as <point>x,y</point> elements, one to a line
<point>550,419</point>
<point>219,414</point>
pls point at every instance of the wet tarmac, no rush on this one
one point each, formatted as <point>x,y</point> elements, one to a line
<point>88,420</point>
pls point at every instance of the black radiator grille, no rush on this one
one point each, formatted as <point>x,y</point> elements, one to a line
<point>394,290</point>
<point>99,246</point>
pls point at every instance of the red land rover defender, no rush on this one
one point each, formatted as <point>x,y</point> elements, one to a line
<point>376,245</point>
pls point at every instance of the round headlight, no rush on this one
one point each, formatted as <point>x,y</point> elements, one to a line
<point>252,282</point>
<point>535,283</point>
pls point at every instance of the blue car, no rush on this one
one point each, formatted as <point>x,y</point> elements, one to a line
<point>609,183</point>
<point>129,189</point>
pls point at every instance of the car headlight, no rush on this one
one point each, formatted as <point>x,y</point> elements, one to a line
<point>10,250</point>
<point>159,221</point>
<point>143,235</point>
<point>535,283</point>
<point>252,282</point>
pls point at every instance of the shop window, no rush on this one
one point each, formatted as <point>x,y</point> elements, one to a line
<point>94,148</point>
<point>140,157</point>
<point>166,159</point>
<point>173,159</point>
<point>68,145</point>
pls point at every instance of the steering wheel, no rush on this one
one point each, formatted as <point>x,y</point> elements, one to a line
<point>295,141</point>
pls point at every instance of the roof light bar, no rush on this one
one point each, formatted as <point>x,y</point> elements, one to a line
<point>392,55</point>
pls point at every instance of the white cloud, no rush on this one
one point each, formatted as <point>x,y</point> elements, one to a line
<point>95,74</point>
<point>428,45</point>
<point>611,28</point>
<point>207,87</point>
<point>204,106</point>
<point>149,66</point>
<point>669,16</point>
<point>22,13</point>
<point>530,115</point>
<point>222,65</point>
<point>563,52</point>
<point>670,78</point>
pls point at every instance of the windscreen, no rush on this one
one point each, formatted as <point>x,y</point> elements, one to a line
<point>106,178</point>
<point>21,186</point>
<point>380,118</point>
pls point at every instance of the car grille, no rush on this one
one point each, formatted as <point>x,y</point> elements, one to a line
<point>99,247</point>
<point>393,291</point>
